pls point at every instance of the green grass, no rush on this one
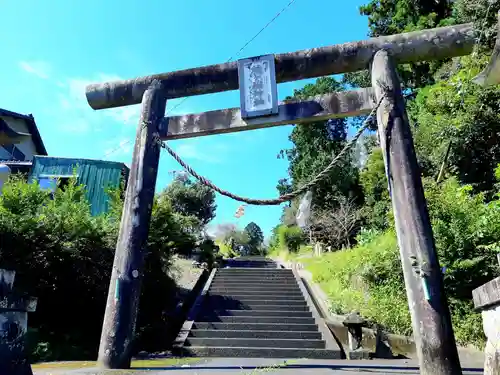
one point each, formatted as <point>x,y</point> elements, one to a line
<point>366,278</point>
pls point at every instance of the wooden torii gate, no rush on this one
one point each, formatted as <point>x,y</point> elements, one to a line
<point>430,315</point>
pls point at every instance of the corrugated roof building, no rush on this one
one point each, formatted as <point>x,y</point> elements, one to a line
<point>96,175</point>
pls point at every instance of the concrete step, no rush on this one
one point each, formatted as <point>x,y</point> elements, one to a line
<point>296,335</point>
<point>271,293</point>
<point>257,307</point>
<point>256,286</point>
<point>251,303</point>
<point>250,267</point>
<point>253,284</point>
<point>264,277</point>
<point>255,319</point>
<point>201,351</point>
<point>247,266</point>
<point>254,343</point>
<point>254,274</point>
<point>254,281</point>
<point>283,327</point>
<point>269,296</point>
<point>243,298</point>
<point>254,271</point>
<point>292,314</point>
<point>255,290</point>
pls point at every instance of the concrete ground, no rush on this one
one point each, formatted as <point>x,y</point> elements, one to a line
<point>254,366</point>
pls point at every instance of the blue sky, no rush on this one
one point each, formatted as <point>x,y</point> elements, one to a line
<point>52,49</point>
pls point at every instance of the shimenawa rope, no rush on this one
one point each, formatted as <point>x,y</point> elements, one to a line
<point>285,197</point>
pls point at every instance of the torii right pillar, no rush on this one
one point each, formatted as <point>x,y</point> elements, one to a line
<point>432,329</point>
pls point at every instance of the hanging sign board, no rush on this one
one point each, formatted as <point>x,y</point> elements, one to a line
<point>258,88</point>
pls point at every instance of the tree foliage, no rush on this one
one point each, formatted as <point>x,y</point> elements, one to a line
<point>255,237</point>
<point>232,240</point>
<point>192,199</point>
<point>447,111</point>
<point>458,111</point>
<point>63,255</point>
<point>313,147</point>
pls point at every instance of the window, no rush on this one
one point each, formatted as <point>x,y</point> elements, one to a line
<point>50,183</point>
<point>14,152</point>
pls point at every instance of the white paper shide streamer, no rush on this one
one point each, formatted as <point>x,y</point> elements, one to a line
<point>304,212</point>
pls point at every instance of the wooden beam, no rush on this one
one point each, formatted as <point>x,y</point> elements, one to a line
<point>491,74</point>
<point>432,44</point>
<point>115,350</point>
<point>321,107</point>
<point>432,330</point>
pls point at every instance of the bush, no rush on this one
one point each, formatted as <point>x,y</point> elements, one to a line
<point>226,250</point>
<point>63,255</point>
<point>467,235</point>
<point>368,277</point>
<point>290,238</point>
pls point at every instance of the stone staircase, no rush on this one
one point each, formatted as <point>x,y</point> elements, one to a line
<point>254,309</point>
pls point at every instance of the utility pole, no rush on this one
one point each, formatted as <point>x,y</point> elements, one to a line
<point>125,285</point>
<point>432,329</point>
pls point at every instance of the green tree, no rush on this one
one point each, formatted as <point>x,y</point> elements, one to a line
<point>458,111</point>
<point>255,236</point>
<point>388,17</point>
<point>375,188</point>
<point>64,255</point>
<point>313,147</point>
<point>230,238</point>
<point>192,199</point>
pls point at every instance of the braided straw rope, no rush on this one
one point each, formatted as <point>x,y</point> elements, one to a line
<point>285,197</point>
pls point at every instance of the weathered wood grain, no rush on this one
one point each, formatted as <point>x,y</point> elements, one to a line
<point>432,44</point>
<point>432,330</point>
<point>321,107</point>
<point>491,74</point>
<point>118,330</point>
<point>487,294</point>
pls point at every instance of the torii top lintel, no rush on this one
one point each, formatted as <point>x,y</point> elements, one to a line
<point>424,45</point>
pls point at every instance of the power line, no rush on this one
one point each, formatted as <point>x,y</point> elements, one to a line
<point>228,60</point>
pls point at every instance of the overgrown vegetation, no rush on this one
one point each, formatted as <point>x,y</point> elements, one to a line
<point>64,256</point>
<point>450,116</point>
<point>234,242</point>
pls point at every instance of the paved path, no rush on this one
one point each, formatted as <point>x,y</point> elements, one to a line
<point>255,366</point>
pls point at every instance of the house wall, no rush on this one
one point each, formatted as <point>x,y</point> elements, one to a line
<point>4,154</point>
<point>27,147</point>
<point>96,175</point>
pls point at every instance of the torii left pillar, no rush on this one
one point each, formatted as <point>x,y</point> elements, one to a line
<point>125,286</point>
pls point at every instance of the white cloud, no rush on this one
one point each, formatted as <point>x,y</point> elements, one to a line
<point>38,68</point>
<point>74,105</point>
<point>189,151</point>
<point>209,153</point>
<point>219,230</point>
<point>77,125</point>
<point>128,115</point>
